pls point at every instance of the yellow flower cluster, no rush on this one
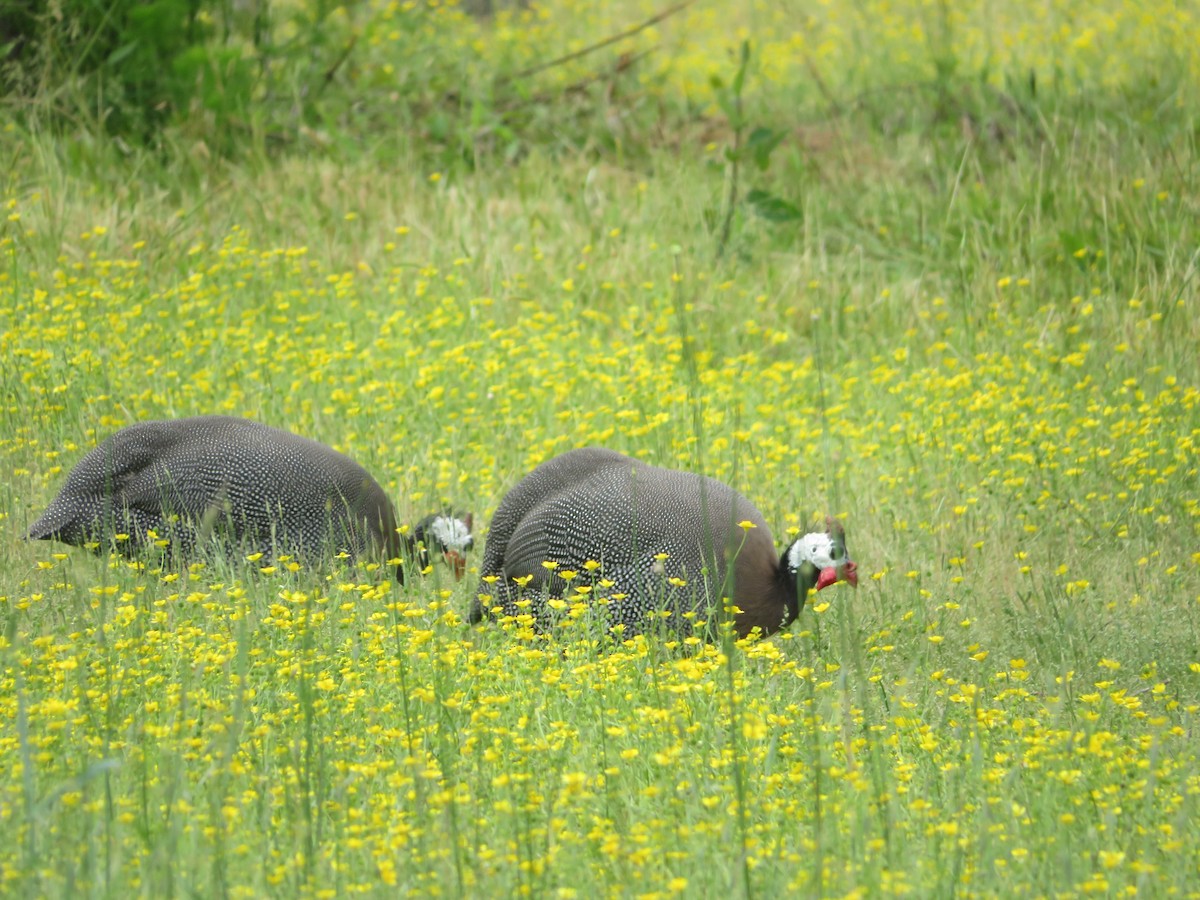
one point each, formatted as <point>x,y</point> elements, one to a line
<point>310,731</point>
<point>298,738</point>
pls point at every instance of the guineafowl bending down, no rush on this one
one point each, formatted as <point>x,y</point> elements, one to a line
<point>664,541</point>
<point>237,482</point>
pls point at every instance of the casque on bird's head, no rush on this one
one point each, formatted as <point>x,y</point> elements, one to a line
<point>826,551</point>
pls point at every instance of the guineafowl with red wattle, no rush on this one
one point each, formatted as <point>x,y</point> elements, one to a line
<point>646,541</point>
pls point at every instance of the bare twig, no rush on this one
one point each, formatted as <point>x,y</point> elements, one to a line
<point>577,87</point>
<point>834,106</point>
<point>612,39</point>
<point>337,63</point>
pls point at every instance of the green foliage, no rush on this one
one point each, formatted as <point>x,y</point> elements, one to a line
<point>200,66</point>
<point>141,61</point>
<point>756,148</point>
<point>771,208</point>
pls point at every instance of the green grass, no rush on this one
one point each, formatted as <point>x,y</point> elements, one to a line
<point>977,346</point>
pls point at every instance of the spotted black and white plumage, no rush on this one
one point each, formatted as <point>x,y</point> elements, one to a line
<point>226,480</point>
<point>597,504</point>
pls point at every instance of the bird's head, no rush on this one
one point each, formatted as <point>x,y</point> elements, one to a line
<point>448,534</point>
<point>826,552</point>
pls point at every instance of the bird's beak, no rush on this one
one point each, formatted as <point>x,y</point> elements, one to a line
<point>457,563</point>
<point>847,572</point>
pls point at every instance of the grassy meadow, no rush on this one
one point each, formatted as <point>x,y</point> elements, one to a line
<point>946,290</point>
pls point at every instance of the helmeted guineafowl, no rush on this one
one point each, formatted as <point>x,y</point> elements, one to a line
<point>663,540</point>
<point>238,482</point>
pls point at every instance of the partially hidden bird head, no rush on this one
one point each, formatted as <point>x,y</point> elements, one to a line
<point>825,551</point>
<point>446,533</point>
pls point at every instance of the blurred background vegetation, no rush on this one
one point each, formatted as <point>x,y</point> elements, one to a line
<point>487,80</point>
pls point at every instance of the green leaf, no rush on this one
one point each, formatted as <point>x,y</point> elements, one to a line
<point>772,208</point>
<point>761,144</point>
<point>725,101</point>
<point>121,52</point>
<point>740,78</point>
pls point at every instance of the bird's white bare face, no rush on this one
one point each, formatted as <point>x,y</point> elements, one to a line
<point>826,551</point>
<point>453,534</point>
<point>822,550</point>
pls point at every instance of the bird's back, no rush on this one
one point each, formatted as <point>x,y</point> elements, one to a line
<point>266,485</point>
<point>662,537</point>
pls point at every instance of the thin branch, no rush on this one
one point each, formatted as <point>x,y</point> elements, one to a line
<point>834,106</point>
<point>653,20</point>
<point>577,87</point>
<point>337,63</point>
